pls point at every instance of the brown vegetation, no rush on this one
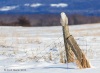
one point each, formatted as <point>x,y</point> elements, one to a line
<point>44,20</point>
<point>80,19</point>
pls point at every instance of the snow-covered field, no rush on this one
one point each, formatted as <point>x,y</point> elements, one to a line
<point>38,49</point>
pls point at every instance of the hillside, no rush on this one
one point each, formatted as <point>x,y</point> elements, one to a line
<point>85,7</point>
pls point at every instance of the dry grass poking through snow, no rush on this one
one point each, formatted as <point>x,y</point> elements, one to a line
<point>36,42</point>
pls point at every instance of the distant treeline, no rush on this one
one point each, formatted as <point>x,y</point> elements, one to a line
<point>44,20</point>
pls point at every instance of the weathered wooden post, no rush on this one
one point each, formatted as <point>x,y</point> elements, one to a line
<point>71,46</point>
<point>66,34</point>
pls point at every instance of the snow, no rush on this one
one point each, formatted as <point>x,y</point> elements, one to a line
<point>7,8</point>
<point>36,5</point>
<point>59,5</point>
<point>51,5</point>
<point>33,5</point>
<point>26,49</point>
<point>27,4</point>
